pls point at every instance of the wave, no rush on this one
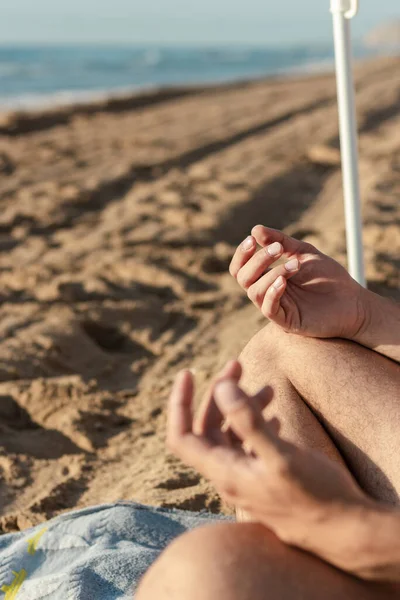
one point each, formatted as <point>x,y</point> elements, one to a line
<point>33,77</point>
<point>17,71</point>
<point>37,101</point>
<point>151,58</point>
<point>10,69</point>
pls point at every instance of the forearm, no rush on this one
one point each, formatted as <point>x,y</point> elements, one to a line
<point>381,327</point>
<point>364,542</point>
<point>378,552</point>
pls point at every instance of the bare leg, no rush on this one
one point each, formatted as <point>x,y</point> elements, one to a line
<point>331,395</point>
<point>242,562</point>
<point>335,396</point>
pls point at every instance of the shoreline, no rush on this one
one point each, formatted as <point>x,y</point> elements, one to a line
<point>16,121</point>
<point>83,97</point>
<point>33,100</point>
<point>20,121</point>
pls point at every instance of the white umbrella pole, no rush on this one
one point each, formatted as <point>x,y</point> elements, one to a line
<point>343,11</point>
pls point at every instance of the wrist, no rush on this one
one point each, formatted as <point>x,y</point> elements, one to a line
<point>378,551</point>
<point>365,310</point>
<point>343,537</point>
<point>368,542</point>
<point>371,309</point>
<point>379,327</point>
<point>357,319</point>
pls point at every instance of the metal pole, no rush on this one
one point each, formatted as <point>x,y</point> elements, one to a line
<point>343,11</point>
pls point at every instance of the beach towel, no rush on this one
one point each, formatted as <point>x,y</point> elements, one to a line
<point>93,554</point>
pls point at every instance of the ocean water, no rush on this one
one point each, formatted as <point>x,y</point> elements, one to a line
<point>34,76</point>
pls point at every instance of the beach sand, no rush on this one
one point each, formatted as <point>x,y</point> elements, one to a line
<point>117,225</point>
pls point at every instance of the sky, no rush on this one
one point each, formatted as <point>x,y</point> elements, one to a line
<point>180,22</point>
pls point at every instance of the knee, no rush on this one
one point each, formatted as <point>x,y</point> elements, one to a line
<point>273,357</point>
<point>272,346</point>
<point>189,567</point>
<point>265,351</point>
<point>210,562</point>
<point>268,339</point>
<point>241,561</point>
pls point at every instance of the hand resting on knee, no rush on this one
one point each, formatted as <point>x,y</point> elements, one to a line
<point>311,294</point>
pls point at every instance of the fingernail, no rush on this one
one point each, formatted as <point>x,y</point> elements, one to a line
<point>280,282</point>
<point>292,265</point>
<point>248,243</point>
<point>274,249</point>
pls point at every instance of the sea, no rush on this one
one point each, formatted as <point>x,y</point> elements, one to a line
<point>33,77</point>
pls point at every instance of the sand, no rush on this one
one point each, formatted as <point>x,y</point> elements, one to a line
<point>117,225</point>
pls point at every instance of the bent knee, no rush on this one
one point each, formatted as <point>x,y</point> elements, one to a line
<point>272,346</point>
<point>263,355</point>
<point>268,339</point>
<point>240,561</point>
<point>210,562</point>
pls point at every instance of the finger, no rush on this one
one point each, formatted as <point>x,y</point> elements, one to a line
<point>245,251</point>
<point>224,466</point>
<point>247,422</point>
<point>259,403</point>
<point>266,236</point>
<point>271,306</point>
<point>180,417</point>
<point>228,468</point>
<point>258,264</point>
<point>258,290</point>
<point>262,399</point>
<point>275,425</point>
<point>209,418</point>
<point>180,438</point>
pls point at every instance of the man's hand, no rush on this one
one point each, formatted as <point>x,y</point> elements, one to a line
<point>310,294</point>
<point>306,499</point>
